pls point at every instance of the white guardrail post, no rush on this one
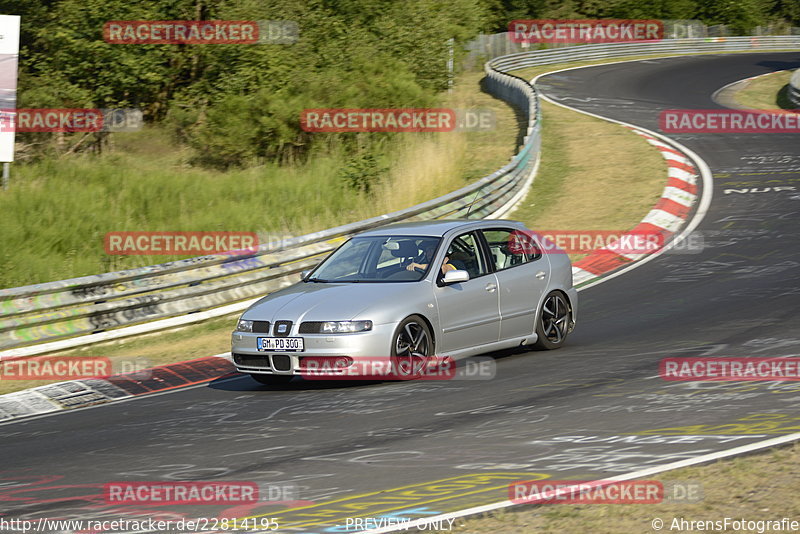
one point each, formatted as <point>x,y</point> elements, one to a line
<point>52,311</point>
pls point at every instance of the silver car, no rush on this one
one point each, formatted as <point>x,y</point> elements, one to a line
<point>424,290</point>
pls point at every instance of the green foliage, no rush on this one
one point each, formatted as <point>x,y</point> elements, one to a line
<point>240,104</point>
<point>740,15</point>
<point>362,173</point>
<point>788,10</point>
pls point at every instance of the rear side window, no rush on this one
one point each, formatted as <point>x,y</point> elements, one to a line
<point>511,247</point>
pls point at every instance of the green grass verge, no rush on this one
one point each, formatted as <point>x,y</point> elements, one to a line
<point>762,486</point>
<point>766,92</point>
<point>594,175</point>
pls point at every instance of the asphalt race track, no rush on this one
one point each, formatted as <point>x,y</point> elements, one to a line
<point>594,409</point>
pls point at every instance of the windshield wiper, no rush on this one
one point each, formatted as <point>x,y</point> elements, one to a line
<point>318,280</point>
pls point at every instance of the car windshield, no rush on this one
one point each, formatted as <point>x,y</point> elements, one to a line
<point>378,259</point>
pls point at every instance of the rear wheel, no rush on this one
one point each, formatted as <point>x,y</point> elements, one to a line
<point>554,323</point>
<point>272,380</point>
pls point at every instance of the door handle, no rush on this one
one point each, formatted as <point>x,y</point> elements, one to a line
<point>490,287</point>
<point>540,275</point>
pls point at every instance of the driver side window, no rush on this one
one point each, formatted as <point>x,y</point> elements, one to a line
<point>464,253</point>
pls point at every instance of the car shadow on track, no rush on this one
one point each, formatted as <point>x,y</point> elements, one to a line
<point>243,382</point>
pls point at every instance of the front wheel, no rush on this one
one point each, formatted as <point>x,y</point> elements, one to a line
<point>554,322</point>
<point>272,380</point>
<point>412,347</point>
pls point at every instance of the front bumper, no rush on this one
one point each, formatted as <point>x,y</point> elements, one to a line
<point>375,343</point>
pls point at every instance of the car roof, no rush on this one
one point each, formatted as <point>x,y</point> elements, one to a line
<point>437,227</point>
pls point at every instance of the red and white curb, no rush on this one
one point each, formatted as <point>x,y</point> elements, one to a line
<point>666,218</point>
<point>42,400</point>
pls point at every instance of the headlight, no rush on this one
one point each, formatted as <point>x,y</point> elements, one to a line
<point>244,326</point>
<point>337,327</point>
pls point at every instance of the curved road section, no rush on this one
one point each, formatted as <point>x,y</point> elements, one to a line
<point>326,455</point>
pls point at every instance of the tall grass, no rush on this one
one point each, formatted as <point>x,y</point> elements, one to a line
<point>55,216</point>
<point>423,168</point>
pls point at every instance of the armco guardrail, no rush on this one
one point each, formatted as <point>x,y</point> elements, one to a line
<point>594,52</point>
<point>794,88</point>
<point>68,308</point>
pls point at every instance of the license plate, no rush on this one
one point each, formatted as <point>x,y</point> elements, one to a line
<point>280,344</point>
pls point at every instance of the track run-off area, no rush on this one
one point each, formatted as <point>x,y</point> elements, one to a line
<point>595,409</point>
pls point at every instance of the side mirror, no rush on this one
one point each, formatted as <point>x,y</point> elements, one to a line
<point>453,277</point>
<point>304,274</point>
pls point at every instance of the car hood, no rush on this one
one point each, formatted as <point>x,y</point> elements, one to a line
<point>330,302</point>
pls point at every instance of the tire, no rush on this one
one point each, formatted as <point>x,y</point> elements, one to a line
<point>412,346</point>
<point>554,322</point>
<point>272,380</point>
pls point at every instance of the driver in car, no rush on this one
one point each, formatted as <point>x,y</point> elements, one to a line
<point>427,256</point>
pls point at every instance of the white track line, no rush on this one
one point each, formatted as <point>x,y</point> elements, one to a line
<point>782,440</point>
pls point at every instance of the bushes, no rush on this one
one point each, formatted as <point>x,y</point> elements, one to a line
<point>239,104</point>
<point>362,173</point>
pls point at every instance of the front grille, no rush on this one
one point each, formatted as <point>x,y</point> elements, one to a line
<point>251,360</point>
<point>261,327</point>
<point>310,327</point>
<point>281,362</point>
